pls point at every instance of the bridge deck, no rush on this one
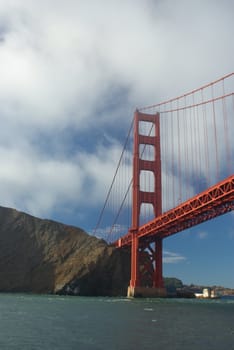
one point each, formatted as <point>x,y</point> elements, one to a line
<point>215,201</point>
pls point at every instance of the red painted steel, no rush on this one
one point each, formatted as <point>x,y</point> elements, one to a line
<point>216,200</point>
<point>140,197</point>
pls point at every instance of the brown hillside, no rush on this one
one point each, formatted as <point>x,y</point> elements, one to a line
<point>43,256</point>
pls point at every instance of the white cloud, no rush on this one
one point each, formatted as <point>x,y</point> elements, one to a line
<point>172,258</point>
<point>86,65</point>
<point>37,185</point>
<point>202,234</point>
<point>110,233</point>
<point>54,61</point>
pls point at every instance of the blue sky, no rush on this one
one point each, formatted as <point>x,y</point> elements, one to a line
<point>205,253</point>
<point>72,73</point>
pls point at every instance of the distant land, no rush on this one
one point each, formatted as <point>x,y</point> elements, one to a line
<point>175,287</point>
<point>44,256</point>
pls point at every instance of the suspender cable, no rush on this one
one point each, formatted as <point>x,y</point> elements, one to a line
<point>112,183</point>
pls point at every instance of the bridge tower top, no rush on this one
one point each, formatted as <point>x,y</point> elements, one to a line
<point>152,138</point>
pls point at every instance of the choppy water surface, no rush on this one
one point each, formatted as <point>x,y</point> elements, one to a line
<point>55,322</point>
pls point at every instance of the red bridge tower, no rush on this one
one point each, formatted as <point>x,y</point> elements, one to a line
<point>146,257</point>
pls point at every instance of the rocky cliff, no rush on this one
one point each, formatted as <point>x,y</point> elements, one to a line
<point>43,256</point>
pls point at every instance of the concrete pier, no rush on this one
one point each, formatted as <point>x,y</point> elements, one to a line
<point>145,292</point>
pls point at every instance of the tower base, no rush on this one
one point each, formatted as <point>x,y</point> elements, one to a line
<point>145,292</point>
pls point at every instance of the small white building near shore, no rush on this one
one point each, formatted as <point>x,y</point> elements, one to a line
<point>206,294</point>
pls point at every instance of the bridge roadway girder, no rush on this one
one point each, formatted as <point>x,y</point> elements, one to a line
<point>215,201</point>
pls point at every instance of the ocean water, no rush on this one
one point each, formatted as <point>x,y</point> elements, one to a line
<point>56,322</point>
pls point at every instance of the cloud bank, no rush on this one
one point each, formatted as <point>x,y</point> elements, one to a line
<point>72,73</point>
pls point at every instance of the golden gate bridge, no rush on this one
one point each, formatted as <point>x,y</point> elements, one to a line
<point>180,175</point>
